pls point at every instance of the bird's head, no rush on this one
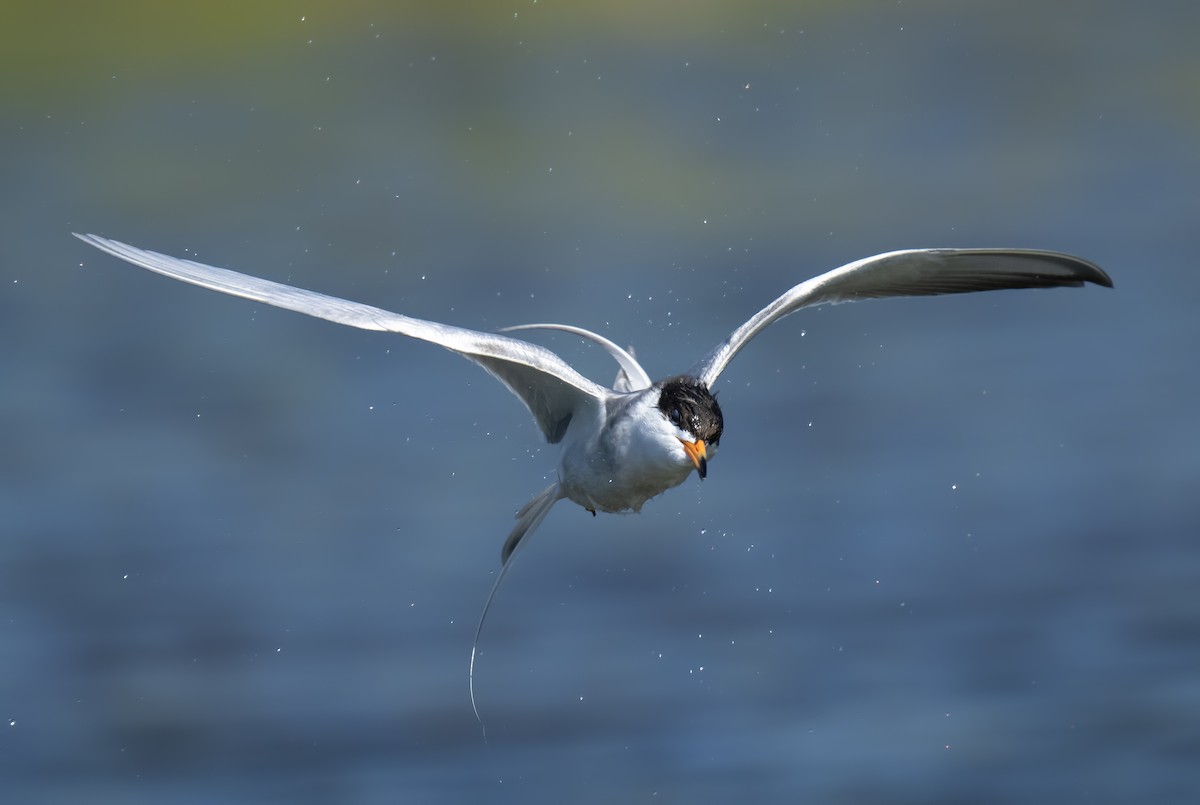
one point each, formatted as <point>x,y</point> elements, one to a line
<point>692,410</point>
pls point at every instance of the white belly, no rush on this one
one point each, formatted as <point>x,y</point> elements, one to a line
<point>621,470</point>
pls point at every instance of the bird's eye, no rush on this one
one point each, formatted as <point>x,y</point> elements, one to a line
<point>676,417</point>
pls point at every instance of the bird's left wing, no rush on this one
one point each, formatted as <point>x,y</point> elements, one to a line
<point>550,389</point>
<point>913,272</point>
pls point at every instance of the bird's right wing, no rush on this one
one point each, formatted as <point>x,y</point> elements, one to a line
<point>549,387</point>
<point>913,272</point>
<point>632,376</point>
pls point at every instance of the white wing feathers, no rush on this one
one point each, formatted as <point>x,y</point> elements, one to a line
<point>550,389</point>
<point>553,391</point>
<point>632,376</point>
<point>913,272</point>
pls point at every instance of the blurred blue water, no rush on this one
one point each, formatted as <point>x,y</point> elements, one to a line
<point>947,552</point>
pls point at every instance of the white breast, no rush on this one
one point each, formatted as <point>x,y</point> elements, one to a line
<point>623,457</point>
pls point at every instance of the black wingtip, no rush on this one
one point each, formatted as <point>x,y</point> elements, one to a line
<point>1101,278</point>
<point>1072,271</point>
<point>509,546</point>
<point>1087,271</point>
<point>1068,271</point>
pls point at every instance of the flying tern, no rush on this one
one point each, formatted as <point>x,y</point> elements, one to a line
<point>626,443</point>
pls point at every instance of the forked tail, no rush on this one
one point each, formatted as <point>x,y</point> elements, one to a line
<point>528,518</point>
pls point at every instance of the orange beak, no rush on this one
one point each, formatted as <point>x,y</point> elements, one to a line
<point>698,453</point>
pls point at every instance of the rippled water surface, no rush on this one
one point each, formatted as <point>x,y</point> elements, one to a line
<point>947,553</point>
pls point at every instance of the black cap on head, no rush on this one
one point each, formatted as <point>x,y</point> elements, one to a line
<point>689,405</point>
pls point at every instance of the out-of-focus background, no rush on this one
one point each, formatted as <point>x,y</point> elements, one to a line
<point>947,553</point>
